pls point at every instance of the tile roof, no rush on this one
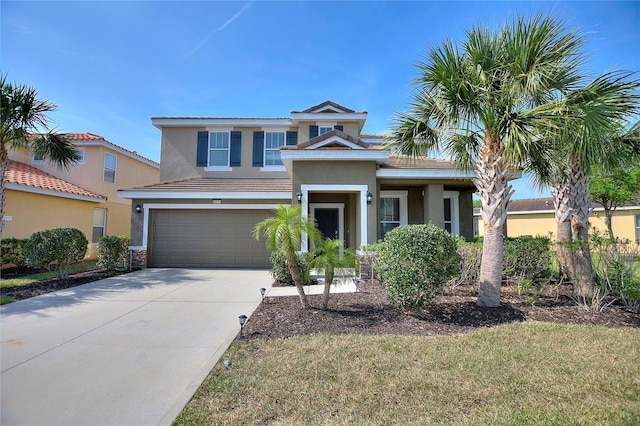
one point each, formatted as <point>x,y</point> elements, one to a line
<point>219,185</point>
<point>92,137</point>
<point>397,161</point>
<point>546,203</point>
<point>326,136</point>
<point>320,106</point>
<point>24,174</point>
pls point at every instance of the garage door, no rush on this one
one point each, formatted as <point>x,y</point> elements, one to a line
<point>207,239</point>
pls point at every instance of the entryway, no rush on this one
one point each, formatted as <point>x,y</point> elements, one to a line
<point>329,218</point>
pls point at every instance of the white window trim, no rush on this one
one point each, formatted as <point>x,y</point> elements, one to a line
<point>264,150</point>
<point>403,204</point>
<point>115,170</point>
<point>226,168</point>
<point>104,224</point>
<point>455,215</point>
<point>84,153</point>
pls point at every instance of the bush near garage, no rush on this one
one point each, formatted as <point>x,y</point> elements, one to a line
<point>279,270</point>
<point>112,252</point>
<point>56,249</point>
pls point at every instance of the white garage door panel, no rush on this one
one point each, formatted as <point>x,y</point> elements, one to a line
<point>207,238</point>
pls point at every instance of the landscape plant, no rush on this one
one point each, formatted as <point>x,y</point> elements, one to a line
<point>56,249</point>
<point>24,125</point>
<point>279,270</point>
<point>284,231</point>
<point>329,255</point>
<point>112,252</point>
<point>12,250</point>
<point>415,262</point>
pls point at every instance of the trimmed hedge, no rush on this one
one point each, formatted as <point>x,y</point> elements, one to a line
<point>112,252</point>
<point>56,249</point>
<point>279,270</point>
<point>12,250</point>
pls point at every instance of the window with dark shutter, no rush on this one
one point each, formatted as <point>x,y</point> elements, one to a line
<point>313,131</point>
<point>258,149</point>
<point>202,149</point>
<point>236,149</point>
<point>292,138</point>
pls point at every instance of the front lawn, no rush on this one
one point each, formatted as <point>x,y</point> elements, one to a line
<point>517,373</point>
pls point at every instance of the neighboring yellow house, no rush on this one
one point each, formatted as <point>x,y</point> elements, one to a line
<point>39,195</point>
<point>536,217</point>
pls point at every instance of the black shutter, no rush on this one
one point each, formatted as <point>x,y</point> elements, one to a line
<point>202,149</point>
<point>258,149</point>
<point>339,127</point>
<point>292,138</point>
<point>313,132</point>
<point>236,149</point>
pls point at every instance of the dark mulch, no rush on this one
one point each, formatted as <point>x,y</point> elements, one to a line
<point>369,312</point>
<point>47,286</point>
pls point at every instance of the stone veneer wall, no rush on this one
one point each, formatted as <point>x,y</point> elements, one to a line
<point>137,258</point>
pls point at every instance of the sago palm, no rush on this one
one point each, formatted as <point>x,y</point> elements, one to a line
<point>329,255</point>
<point>284,231</point>
<point>483,103</point>
<point>24,125</point>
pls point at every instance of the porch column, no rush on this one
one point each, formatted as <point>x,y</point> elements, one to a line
<point>434,204</point>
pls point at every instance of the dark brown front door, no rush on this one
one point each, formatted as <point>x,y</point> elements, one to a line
<point>328,221</point>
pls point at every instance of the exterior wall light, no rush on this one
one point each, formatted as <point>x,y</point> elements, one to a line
<point>299,196</point>
<point>138,208</point>
<point>369,197</point>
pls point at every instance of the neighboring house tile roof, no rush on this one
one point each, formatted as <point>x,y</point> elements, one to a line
<point>92,137</point>
<point>219,185</point>
<point>24,174</point>
<point>322,108</point>
<point>546,203</point>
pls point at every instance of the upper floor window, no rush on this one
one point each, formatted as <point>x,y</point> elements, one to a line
<point>80,154</point>
<point>37,159</point>
<point>272,143</point>
<point>324,129</point>
<point>218,149</point>
<point>110,162</point>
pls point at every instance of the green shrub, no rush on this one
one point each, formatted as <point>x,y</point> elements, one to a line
<point>471,256</point>
<point>55,249</point>
<point>112,252</point>
<point>13,251</point>
<point>279,270</point>
<point>527,258</point>
<point>415,262</point>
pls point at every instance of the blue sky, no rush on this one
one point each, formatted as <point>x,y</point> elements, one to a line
<point>111,66</point>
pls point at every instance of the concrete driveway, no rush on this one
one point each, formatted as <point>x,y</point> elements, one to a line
<point>128,350</point>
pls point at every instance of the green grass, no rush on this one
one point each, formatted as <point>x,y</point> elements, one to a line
<point>515,374</point>
<point>4,299</point>
<point>85,265</point>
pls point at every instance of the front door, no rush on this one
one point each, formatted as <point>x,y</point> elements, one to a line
<point>328,222</point>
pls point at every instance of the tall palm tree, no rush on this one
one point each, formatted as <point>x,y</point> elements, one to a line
<point>329,255</point>
<point>284,231</point>
<point>483,103</point>
<point>24,125</point>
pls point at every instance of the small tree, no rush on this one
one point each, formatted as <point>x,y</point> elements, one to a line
<point>415,262</point>
<point>284,231</point>
<point>329,255</point>
<point>112,252</point>
<point>56,249</point>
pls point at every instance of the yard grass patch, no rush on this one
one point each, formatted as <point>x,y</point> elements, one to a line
<point>85,265</point>
<point>520,373</point>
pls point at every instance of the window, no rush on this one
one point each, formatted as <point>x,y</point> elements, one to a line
<point>451,221</point>
<point>218,149</point>
<point>325,129</point>
<point>99,224</point>
<point>37,159</point>
<point>393,210</point>
<point>80,153</point>
<point>109,174</point>
<point>272,143</point>
<point>638,228</point>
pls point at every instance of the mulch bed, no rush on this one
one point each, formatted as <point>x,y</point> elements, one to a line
<point>369,312</point>
<point>47,286</point>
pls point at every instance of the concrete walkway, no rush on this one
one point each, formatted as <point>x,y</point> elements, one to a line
<point>128,350</point>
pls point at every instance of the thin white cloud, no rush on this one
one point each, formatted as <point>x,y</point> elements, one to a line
<point>220,28</point>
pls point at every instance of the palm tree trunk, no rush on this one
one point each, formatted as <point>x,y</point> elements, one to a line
<point>562,204</point>
<point>292,264</point>
<point>495,192</point>
<point>328,280</point>
<point>4,164</point>
<point>583,280</point>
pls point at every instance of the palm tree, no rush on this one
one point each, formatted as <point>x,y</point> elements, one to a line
<point>24,125</point>
<point>483,103</point>
<point>328,254</point>
<point>284,231</point>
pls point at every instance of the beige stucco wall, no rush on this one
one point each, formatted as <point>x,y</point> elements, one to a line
<point>543,224</point>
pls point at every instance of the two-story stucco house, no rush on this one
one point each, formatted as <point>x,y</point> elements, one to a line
<point>39,195</point>
<point>221,176</point>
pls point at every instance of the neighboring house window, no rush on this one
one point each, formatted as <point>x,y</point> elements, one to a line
<point>99,224</point>
<point>393,210</point>
<point>451,216</point>
<point>80,153</point>
<point>110,162</point>
<point>272,143</point>
<point>37,159</point>
<point>638,227</point>
<point>218,149</point>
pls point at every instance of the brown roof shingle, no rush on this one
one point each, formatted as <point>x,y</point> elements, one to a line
<point>219,185</point>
